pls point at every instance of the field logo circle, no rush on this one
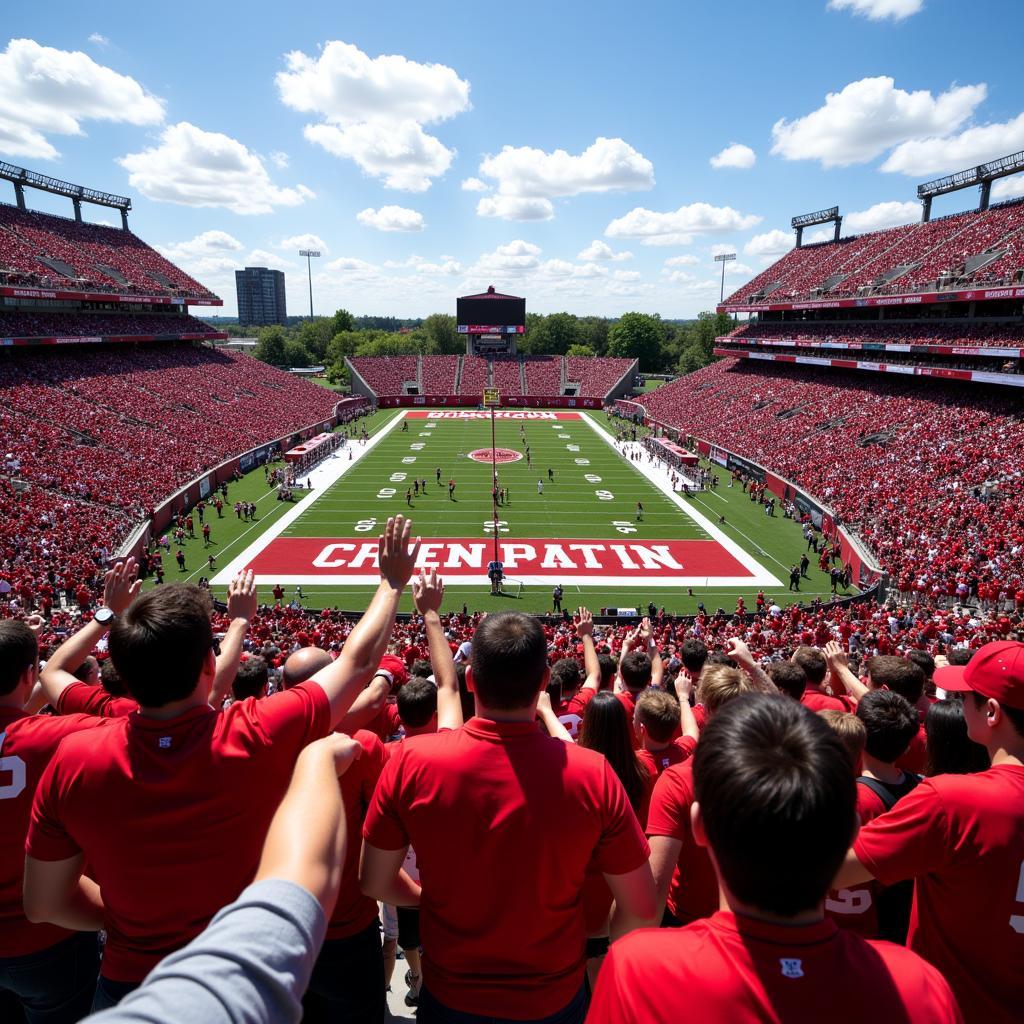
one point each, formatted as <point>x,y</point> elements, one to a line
<point>501,455</point>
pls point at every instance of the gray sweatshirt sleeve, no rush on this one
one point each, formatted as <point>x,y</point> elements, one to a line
<point>251,966</point>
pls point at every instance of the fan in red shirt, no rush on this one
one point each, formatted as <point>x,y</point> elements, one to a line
<point>638,669</point>
<point>961,838</point>
<point>816,668</point>
<point>770,779</point>
<point>53,970</point>
<point>497,796</point>
<point>169,806</point>
<point>658,717</point>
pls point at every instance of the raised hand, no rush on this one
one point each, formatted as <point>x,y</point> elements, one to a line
<point>120,585</point>
<point>584,622</point>
<point>242,600</point>
<point>396,559</point>
<point>427,592</point>
<point>835,655</point>
<point>739,651</point>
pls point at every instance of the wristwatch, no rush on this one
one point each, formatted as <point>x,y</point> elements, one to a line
<point>389,676</point>
<point>104,616</point>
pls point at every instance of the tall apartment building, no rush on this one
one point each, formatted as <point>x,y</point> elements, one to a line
<point>260,296</point>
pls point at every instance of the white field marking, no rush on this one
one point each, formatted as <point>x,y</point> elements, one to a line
<point>661,582</point>
<point>327,473</point>
<point>660,478</point>
<point>747,536</point>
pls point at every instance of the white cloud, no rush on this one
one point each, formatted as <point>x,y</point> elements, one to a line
<point>771,243</point>
<point>738,268</point>
<point>391,218</point>
<point>403,154</point>
<point>515,257</point>
<point>627,275</point>
<point>373,110</point>
<point>819,235</point>
<point>720,248</point>
<point>44,91</point>
<point>676,227</point>
<point>976,145</point>
<point>265,258</point>
<point>97,40</point>
<point>868,117</point>
<point>528,178</point>
<point>598,250</point>
<point>1008,188</point>
<point>474,185</point>
<point>515,208</point>
<point>882,215</point>
<point>351,265</point>
<point>682,261</point>
<point>198,168</point>
<point>877,10</point>
<point>306,241</point>
<point>280,159</point>
<point>445,265</point>
<point>211,254</point>
<point>735,155</point>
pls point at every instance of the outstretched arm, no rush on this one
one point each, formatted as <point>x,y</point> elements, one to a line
<point>740,653</point>
<point>242,604</point>
<point>428,596</point>
<point>548,718</point>
<point>585,631</point>
<point>657,665</point>
<point>343,679</point>
<point>839,671</point>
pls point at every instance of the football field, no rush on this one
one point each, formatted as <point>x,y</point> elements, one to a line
<point>570,518</point>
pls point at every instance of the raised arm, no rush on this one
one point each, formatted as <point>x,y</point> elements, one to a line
<point>740,653</point>
<point>839,670</point>
<point>242,604</point>
<point>343,679</point>
<point>547,717</point>
<point>687,719</point>
<point>428,596</point>
<point>657,665</point>
<point>120,586</point>
<point>585,631</point>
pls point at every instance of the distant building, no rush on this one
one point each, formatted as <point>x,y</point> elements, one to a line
<point>260,296</point>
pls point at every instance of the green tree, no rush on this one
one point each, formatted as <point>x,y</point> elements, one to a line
<point>638,336</point>
<point>342,321</point>
<point>315,335</point>
<point>594,332</point>
<point>581,352</point>
<point>270,346</point>
<point>535,340</point>
<point>383,343</point>
<point>439,328</point>
<point>296,354</point>
<point>563,330</point>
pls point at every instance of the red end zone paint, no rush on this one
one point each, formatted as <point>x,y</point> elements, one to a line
<point>503,414</point>
<point>467,558</point>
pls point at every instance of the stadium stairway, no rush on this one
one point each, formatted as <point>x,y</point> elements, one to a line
<point>522,378</point>
<point>458,376</point>
<point>563,374</point>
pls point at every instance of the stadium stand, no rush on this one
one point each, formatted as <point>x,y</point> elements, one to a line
<point>25,324</point>
<point>48,251</point>
<point>506,375</point>
<point>596,377</point>
<point>475,376</point>
<point>438,374</point>
<point>973,334</point>
<point>387,375</point>
<point>543,375</point>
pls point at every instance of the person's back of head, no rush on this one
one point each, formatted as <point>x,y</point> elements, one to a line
<point>417,702</point>
<point>720,684</point>
<point>891,723</point>
<point>111,682</point>
<point>959,656</point>
<point>789,677</point>
<point>88,671</point>
<point>303,664</point>
<point>509,664</point>
<point>772,777</point>
<point>896,674</point>
<point>19,652</point>
<point>949,749</point>
<point>162,644</point>
<point>635,669</point>
<point>813,662</point>
<point>567,675</point>
<point>607,729</point>
<point>693,653</point>
<point>658,713</point>
<point>421,667</point>
<point>250,679</point>
<point>608,670</point>
<point>925,662</point>
<point>850,730</point>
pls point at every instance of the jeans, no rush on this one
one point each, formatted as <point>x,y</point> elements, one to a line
<point>109,993</point>
<point>348,981</point>
<point>433,1012</point>
<point>54,985</point>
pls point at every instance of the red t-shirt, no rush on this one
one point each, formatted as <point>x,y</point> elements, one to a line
<point>27,742</point>
<point>818,701</point>
<point>386,722</point>
<point>961,837</point>
<point>693,891</point>
<point>678,751</point>
<point>915,758</point>
<point>81,698</point>
<point>505,821</point>
<point>171,815</point>
<point>579,702</point>
<point>353,912</point>
<point>744,971</point>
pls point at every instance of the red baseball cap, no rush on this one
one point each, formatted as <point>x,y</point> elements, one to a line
<point>393,664</point>
<point>996,671</point>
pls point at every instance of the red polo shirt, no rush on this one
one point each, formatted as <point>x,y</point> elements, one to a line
<point>693,891</point>
<point>27,742</point>
<point>81,698</point>
<point>816,700</point>
<point>171,815</point>
<point>678,751</point>
<point>505,821</point>
<point>353,912</point>
<point>961,838</point>
<point>740,970</point>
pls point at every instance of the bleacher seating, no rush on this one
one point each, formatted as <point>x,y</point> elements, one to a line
<point>385,375</point>
<point>978,334</point>
<point>505,371</point>
<point>543,375</point>
<point>596,377</point>
<point>23,324</point>
<point>438,375</point>
<point>98,257</point>
<point>474,376</point>
<point>912,499</point>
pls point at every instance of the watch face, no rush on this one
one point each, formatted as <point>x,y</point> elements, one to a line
<point>103,615</point>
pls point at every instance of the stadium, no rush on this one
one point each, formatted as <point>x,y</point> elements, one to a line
<point>831,510</point>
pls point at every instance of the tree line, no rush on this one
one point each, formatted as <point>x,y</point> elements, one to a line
<point>661,346</point>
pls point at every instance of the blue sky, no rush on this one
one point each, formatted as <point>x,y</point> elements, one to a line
<point>563,151</point>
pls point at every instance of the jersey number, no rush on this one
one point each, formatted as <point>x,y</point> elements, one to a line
<point>1016,920</point>
<point>16,767</point>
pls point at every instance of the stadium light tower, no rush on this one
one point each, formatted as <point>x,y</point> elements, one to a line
<point>723,258</point>
<point>309,253</point>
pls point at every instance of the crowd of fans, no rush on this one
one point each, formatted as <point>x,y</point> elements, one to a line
<point>612,782</point>
<point>387,375</point>
<point>976,334</point>
<point>917,257</point>
<point>99,257</point>
<point>23,324</point>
